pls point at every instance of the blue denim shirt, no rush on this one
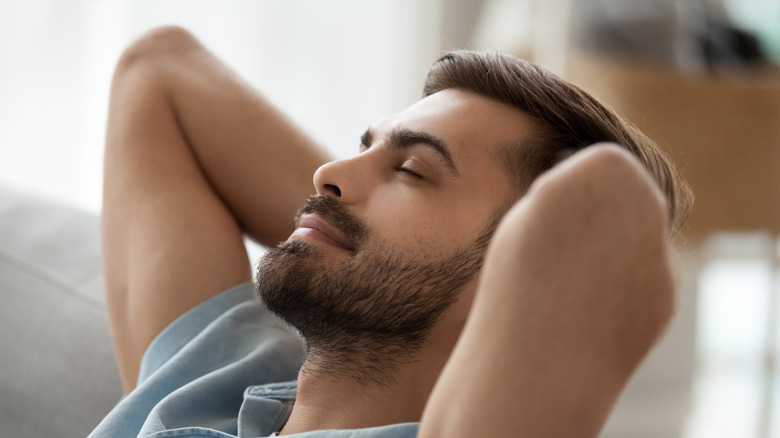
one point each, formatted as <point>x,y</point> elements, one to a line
<point>226,368</point>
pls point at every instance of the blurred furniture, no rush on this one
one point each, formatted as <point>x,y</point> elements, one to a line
<point>722,131</point>
<point>57,370</point>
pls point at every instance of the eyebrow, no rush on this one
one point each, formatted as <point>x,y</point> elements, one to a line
<point>399,138</point>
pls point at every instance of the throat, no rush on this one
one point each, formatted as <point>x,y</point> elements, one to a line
<point>333,399</point>
<point>366,366</point>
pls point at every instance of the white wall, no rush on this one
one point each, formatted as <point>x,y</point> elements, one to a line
<point>335,66</point>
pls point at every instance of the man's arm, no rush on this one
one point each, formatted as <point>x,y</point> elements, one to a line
<point>194,158</point>
<point>577,287</point>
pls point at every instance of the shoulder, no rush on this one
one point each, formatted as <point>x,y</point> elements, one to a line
<point>201,365</point>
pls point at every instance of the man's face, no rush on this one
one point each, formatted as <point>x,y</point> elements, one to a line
<point>391,240</point>
<point>447,201</point>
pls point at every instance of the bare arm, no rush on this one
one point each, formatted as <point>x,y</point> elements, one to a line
<point>194,159</point>
<point>576,288</point>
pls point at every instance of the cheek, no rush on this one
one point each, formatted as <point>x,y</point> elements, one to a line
<point>403,217</point>
<point>425,231</point>
<point>434,220</point>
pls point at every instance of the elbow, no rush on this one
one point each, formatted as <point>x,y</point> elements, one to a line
<point>156,45</point>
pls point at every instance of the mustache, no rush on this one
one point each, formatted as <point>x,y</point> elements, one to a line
<point>336,215</point>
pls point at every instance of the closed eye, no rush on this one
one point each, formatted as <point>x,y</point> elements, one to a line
<point>399,139</point>
<point>408,171</point>
<point>410,167</point>
<point>365,143</point>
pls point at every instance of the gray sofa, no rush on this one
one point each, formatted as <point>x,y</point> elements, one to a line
<point>57,372</point>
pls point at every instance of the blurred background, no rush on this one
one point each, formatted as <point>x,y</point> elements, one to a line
<point>698,76</point>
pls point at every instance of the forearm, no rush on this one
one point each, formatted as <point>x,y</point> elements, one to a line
<point>576,288</point>
<point>258,162</point>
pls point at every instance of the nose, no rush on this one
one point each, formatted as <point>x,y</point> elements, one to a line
<point>346,180</point>
<point>323,174</point>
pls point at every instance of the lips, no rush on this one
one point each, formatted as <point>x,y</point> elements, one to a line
<point>313,227</point>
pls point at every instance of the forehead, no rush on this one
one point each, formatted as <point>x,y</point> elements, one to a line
<point>474,127</point>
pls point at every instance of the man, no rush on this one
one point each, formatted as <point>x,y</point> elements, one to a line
<point>384,268</point>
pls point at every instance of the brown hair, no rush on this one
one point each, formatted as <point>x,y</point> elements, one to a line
<point>567,120</point>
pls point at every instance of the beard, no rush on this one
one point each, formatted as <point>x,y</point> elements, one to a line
<point>370,313</point>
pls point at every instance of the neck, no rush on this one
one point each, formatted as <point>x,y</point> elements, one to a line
<point>332,398</point>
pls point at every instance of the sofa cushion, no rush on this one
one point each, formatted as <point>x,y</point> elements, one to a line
<point>57,371</point>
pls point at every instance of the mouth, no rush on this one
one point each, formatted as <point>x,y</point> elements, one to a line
<point>312,227</point>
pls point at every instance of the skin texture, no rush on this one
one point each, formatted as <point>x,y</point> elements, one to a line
<point>195,158</point>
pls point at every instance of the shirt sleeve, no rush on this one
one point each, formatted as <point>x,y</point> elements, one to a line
<point>186,327</point>
<point>195,372</point>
